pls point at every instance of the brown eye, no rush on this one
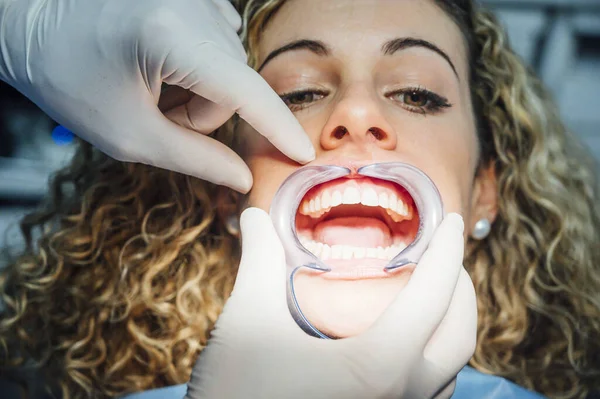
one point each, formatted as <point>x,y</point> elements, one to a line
<point>415,99</point>
<point>418,100</point>
<point>301,98</point>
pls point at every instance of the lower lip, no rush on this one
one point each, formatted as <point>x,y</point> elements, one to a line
<point>353,273</point>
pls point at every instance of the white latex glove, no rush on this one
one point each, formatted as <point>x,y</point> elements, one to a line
<point>96,67</point>
<point>414,350</point>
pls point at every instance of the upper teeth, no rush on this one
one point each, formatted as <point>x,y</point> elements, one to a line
<point>363,194</point>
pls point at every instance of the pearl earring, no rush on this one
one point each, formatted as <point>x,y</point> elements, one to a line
<point>232,225</point>
<point>482,229</point>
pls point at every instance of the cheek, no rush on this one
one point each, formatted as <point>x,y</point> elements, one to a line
<point>454,179</point>
<point>269,167</point>
<point>453,176</point>
<point>448,154</point>
<point>457,197</point>
<point>455,183</point>
<point>268,174</point>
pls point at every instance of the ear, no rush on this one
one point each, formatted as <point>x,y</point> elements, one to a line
<point>227,207</point>
<point>484,200</point>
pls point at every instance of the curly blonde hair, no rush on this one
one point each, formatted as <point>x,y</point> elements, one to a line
<point>133,264</point>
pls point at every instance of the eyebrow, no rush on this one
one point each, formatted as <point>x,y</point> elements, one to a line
<point>389,48</point>
<point>402,43</point>
<point>315,46</point>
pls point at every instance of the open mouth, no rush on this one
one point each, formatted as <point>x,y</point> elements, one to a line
<point>357,221</point>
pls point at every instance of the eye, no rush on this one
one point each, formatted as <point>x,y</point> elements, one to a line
<point>416,99</point>
<point>301,99</point>
<point>420,100</point>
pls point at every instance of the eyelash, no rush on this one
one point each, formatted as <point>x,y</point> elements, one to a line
<point>434,102</point>
<point>286,97</point>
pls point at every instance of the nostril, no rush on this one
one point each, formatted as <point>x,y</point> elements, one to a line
<point>340,132</point>
<point>377,133</point>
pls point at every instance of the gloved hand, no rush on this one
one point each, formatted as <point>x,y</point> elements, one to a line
<point>96,67</point>
<point>414,350</point>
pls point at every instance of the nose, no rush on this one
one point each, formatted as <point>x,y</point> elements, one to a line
<point>357,119</point>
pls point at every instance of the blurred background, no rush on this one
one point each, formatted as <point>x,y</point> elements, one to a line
<point>560,39</point>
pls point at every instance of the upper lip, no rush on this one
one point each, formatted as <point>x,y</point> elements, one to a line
<point>348,162</point>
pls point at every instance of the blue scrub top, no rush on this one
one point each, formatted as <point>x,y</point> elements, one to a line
<point>470,384</point>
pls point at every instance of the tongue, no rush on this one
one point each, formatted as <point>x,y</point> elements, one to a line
<point>354,231</point>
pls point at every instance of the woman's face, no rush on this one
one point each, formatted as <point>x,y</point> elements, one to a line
<point>370,81</point>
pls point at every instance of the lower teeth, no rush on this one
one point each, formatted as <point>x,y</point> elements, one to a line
<point>325,252</point>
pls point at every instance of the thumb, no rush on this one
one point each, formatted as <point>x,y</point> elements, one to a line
<point>200,115</point>
<point>459,326</point>
<point>192,111</point>
<point>422,304</point>
<point>262,271</point>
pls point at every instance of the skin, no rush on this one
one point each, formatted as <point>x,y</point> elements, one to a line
<point>358,78</point>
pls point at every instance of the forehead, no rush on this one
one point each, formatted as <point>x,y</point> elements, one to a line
<point>357,28</point>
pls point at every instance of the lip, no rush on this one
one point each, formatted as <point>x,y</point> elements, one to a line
<point>357,266</point>
<point>289,196</point>
<point>354,273</point>
<point>351,163</point>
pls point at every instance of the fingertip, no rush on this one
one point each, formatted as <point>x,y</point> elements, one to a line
<point>446,236</point>
<point>259,238</point>
<point>243,184</point>
<point>257,230</point>
<point>250,216</point>
<point>271,118</point>
<point>304,152</point>
<point>243,189</point>
<point>256,223</point>
<point>456,220</point>
<point>309,155</point>
<point>232,173</point>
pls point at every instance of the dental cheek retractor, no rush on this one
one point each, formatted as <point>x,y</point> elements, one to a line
<point>291,193</point>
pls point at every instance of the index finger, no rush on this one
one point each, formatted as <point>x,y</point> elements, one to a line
<point>226,81</point>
